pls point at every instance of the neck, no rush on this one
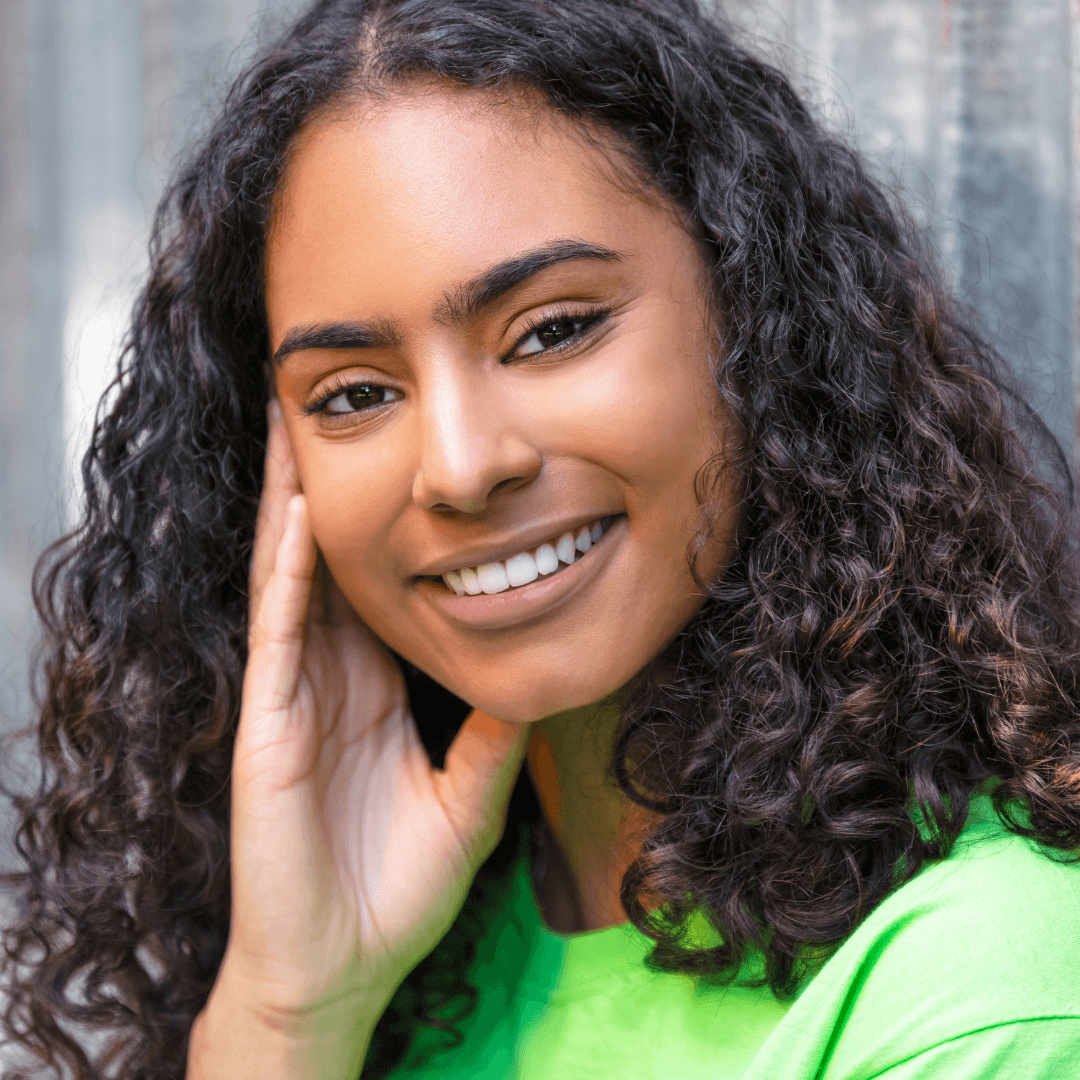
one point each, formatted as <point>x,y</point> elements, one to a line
<point>595,828</point>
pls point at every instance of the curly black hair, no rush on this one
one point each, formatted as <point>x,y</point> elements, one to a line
<point>899,626</point>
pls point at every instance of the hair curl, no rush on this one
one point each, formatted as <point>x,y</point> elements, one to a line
<point>899,626</point>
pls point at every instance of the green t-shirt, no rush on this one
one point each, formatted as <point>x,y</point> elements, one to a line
<point>969,971</point>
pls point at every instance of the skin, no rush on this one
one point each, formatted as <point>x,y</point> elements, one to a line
<point>463,438</point>
<point>480,445</point>
<point>482,451</point>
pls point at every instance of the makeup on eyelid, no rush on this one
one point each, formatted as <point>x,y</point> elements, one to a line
<point>345,388</point>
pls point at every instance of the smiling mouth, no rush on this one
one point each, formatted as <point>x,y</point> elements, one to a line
<point>544,561</point>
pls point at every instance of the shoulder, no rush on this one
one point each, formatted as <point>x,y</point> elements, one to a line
<point>975,948</point>
<point>1046,1049</point>
<point>1000,918</point>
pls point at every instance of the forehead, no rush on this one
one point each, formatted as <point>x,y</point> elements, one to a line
<point>446,180</point>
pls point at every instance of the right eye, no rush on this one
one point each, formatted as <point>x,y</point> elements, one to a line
<point>358,398</point>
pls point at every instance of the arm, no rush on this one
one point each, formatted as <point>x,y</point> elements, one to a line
<point>231,1041</point>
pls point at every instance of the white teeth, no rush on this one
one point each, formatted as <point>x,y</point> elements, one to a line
<point>521,569</point>
<point>493,577</point>
<point>547,562</point>
<point>470,581</point>
<point>564,548</point>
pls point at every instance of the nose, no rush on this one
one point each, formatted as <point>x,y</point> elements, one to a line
<point>470,449</point>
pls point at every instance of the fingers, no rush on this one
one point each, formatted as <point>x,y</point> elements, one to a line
<point>481,766</point>
<point>277,638</point>
<point>280,484</point>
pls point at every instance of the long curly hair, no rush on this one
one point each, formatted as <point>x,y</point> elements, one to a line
<point>900,624</point>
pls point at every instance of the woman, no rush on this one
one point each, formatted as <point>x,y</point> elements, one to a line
<point>603,388</point>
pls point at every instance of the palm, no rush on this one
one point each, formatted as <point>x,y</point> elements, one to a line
<point>380,808</point>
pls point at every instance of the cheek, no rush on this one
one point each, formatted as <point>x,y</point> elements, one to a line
<point>647,418</point>
<point>654,430</point>
<point>354,495</point>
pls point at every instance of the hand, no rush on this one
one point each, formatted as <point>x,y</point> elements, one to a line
<point>351,855</point>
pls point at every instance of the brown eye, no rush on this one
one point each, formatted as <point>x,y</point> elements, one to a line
<point>554,332</point>
<point>358,398</point>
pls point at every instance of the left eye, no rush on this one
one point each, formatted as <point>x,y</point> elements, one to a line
<point>358,398</point>
<point>550,334</point>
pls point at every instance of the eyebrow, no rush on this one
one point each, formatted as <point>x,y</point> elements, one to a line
<point>463,302</point>
<point>457,306</point>
<point>380,334</point>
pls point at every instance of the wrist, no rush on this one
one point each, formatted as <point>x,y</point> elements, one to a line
<point>237,1037</point>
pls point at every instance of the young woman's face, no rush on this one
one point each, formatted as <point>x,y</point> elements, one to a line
<point>486,344</point>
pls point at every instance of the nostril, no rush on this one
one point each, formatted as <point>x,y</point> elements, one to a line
<point>510,481</point>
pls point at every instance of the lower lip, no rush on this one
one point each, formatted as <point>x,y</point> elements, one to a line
<point>497,611</point>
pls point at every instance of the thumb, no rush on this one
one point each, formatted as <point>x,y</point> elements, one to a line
<point>481,767</point>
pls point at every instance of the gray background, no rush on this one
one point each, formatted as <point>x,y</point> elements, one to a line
<point>969,106</point>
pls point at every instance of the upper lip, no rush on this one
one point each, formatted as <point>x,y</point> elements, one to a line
<point>497,550</point>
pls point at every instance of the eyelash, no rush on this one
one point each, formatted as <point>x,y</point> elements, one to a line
<point>342,385</point>
<point>587,320</point>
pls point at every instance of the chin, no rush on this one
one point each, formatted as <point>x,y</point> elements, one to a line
<point>527,700</point>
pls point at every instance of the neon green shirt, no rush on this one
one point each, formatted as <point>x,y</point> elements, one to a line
<point>971,970</point>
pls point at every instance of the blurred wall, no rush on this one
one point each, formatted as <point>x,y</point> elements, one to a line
<point>97,97</point>
<point>968,105</point>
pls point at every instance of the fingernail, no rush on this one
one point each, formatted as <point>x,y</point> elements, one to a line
<point>273,412</point>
